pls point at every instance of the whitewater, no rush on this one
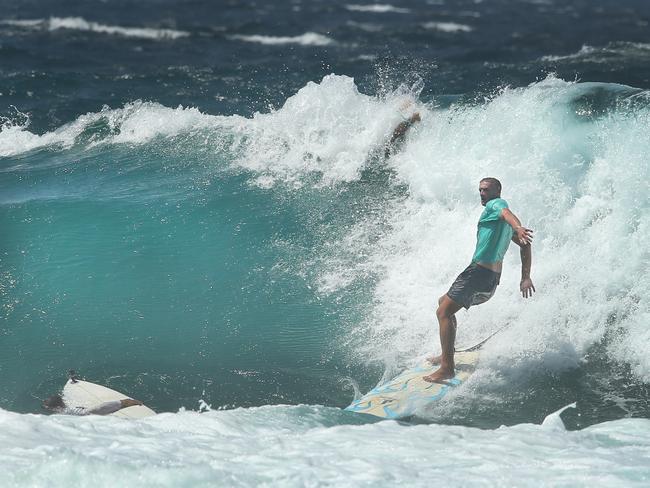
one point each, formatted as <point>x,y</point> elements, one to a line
<point>314,446</point>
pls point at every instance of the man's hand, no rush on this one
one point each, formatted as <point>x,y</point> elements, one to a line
<point>527,288</point>
<point>524,235</point>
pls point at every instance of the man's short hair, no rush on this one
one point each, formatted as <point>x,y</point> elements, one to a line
<point>493,181</point>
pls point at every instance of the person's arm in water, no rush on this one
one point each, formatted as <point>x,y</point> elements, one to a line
<point>399,133</point>
<point>401,129</point>
<point>523,237</point>
<point>107,408</point>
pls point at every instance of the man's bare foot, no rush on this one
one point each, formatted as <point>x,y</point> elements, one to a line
<point>439,375</point>
<point>434,359</point>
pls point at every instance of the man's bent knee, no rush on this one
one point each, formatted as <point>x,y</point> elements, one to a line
<point>444,312</point>
<point>447,307</point>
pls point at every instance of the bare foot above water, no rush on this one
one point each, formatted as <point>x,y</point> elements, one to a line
<point>439,376</point>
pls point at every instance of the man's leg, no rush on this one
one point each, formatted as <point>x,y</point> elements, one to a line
<point>438,359</point>
<point>445,314</point>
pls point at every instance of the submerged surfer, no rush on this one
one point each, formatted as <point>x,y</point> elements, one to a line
<point>497,226</point>
<point>399,134</point>
<point>55,404</point>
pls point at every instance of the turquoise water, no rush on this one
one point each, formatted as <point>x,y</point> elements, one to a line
<point>189,277</point>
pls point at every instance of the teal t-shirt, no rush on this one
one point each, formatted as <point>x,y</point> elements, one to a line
<point>493,234</point>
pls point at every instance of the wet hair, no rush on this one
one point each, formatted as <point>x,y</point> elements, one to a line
<point>54,402</point>
<point>495,182</point>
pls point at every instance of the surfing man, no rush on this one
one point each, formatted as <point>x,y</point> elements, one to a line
<point>497,226</point>
<point>55,404</point>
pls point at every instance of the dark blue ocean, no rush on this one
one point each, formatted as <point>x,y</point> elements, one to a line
<point>199,207</point>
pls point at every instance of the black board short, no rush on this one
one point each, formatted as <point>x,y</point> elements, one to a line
<point>475,285</point>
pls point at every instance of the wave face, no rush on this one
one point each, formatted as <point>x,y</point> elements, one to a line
<point>202,229</point>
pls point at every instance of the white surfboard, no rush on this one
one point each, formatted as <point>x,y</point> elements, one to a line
<point>79,393</point>
<point>404,394</point>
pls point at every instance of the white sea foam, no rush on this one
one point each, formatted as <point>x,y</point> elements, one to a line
<point>135,123</point>
<point>378,8</point>
<point>16,139</point>
<point>584,51</point>
<point>604,54</point>
<point>554,421</point>
<point>326,127</point>
<point>312,446</point>
<point>81,24</point>
<point>24,22</point>
<point>448,27</point>
<point>306,39</point>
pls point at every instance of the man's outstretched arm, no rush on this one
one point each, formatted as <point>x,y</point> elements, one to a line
<point>524,236</point>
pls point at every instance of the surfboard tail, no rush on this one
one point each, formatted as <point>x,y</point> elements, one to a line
<point>478,346</point>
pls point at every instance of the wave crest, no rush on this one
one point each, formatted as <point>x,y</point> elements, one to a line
<point>81,24</point>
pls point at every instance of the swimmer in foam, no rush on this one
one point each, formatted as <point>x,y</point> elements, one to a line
<point>497,226</point>
<point>399,134</point>
<point>55,404</point>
